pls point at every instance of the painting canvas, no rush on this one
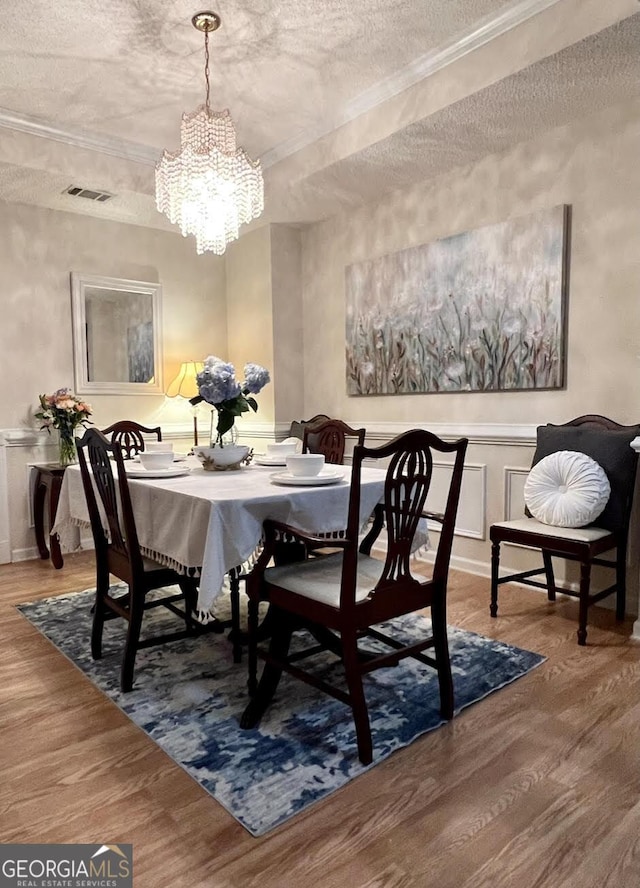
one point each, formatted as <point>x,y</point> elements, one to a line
<point>479,311</point>
<point>140,347</point>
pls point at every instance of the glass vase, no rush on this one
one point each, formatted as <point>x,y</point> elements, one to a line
<point>67,449</point>
<point>216,440</point>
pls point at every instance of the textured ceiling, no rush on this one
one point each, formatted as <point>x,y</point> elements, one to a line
<point>91,92</point>
<point>129,68</point>
<point>584,79</point>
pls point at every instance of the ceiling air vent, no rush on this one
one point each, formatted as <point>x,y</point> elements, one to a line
<point>89,193</point>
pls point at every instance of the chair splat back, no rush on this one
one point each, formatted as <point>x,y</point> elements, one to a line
<point>408,481</point>
<point>123,539</point>
<point>297,427</point>
<point>329,438</point>
<point>130,436</point>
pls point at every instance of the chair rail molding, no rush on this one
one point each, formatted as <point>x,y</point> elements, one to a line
<point>24,437</point>
<point>477,433</point>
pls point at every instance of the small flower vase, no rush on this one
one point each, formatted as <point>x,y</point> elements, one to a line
<point>67,444</point>
<point>226,440</point>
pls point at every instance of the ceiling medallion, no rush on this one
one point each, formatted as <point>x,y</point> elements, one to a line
<point>210,186</point>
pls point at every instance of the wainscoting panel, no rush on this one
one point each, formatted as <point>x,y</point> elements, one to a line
<point>473,498</point>
<point>514,480</point>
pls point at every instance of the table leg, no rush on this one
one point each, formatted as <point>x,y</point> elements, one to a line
<point>40,492</point>
<point>54,495</point>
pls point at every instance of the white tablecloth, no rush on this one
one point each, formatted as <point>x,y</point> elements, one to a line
<point>211,522</point>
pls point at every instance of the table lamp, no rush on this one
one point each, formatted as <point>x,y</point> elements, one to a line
<point>185,385</point>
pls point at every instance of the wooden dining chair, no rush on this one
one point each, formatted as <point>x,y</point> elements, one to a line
<point>118,552</point>
<point>329,437</point>
<point>341,598</point>
<point>608,443</point>
<point>297,427</point>
<point>130,436</point>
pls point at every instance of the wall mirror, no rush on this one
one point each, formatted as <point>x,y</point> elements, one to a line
<point>116,336</point>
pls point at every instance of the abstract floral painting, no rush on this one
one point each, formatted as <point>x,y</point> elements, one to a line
<point>479,311</point>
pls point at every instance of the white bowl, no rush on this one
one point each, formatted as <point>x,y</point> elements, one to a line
<point>228,457</point>
<point>162,459</point>
<point>281,448</point>
<point>305,463</point>
<point>158,447</point>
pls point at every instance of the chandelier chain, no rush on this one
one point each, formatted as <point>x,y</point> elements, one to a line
<point>206,66</point>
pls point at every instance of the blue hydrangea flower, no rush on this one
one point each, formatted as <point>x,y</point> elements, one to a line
<point>255,378</point>
<point>217,381</point>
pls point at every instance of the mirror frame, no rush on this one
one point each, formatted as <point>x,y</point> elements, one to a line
<point>85,386</point>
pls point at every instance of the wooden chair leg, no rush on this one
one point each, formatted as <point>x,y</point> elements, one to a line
<point>272,672</point>
<point>441,647</point>
<point>102,588</point>
<point>621,580</point>
<point>550,578</point>
<point>190,594</point>
<point>235,636</point>
<point>252,651</point>
<point>585,581</point>
<point>495,573</point>
<point>136,611</point>
<point>353,675</point>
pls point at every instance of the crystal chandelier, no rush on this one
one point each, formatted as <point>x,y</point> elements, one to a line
<point>209,187</point>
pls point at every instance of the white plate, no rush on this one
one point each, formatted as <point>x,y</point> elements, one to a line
<point>270,461</point>
<point>325,477</point>
<point>140,472</point>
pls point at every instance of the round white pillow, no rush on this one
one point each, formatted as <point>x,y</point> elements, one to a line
<point>567,489</point>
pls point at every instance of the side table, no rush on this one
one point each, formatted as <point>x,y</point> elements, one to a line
<point>48,480</point>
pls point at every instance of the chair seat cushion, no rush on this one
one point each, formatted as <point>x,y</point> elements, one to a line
<point>532,526</point>
<point>319,578</point>
<point>567,489</point>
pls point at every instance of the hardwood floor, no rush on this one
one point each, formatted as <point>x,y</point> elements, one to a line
<point>538,786</point>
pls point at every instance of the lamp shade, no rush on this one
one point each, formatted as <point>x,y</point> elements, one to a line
<point>185,382</point>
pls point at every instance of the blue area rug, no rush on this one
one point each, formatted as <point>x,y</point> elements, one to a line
<point>189,695</point>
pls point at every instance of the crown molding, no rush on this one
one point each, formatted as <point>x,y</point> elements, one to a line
<point>110,145</point>
<point>488,29</point>
<point>424,66</point>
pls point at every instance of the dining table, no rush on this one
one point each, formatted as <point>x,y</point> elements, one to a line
<point>209,523</point>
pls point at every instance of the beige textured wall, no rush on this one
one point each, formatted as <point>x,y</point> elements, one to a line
<point>591,165</point>
<point>250,312</point>
<point>38,250</point>
<point>286,281</point>
<point>264,316</point>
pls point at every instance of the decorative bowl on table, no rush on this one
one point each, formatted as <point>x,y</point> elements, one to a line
<point>158,447</point>
<point>281,448</point>
<point>216,459</point>
<point>154,460</point>
<point>305,464</point>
